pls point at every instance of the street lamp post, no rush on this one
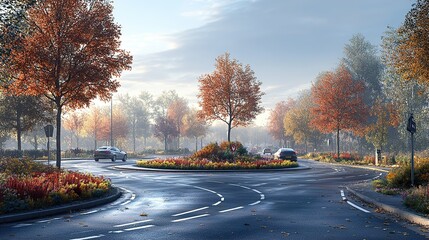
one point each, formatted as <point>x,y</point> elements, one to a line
<point>111,121</point>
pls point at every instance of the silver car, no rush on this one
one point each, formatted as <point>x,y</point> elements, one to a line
<point>108,152</point>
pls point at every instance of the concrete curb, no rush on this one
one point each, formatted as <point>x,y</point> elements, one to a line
<point>414,218</point>
<point>60,209</point>
<point>207,171</point>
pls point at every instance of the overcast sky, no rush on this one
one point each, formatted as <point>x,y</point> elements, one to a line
<point>287,43</point>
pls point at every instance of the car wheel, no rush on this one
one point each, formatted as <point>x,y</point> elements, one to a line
<point>114,158</point>
<point>96,159</point>
<point>125,158</point>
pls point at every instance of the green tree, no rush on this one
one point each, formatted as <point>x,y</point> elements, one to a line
<point>22,113</point>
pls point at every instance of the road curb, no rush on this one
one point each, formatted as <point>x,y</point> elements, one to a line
<point>61,209</point>
<point>414,218</point>
<point>207,171</point>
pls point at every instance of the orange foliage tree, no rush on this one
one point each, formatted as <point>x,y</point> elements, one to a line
<point>176,111</point>
<point>70,55</point>
<point>338,103</point>
<point>275,121</point>
<point>96,125</point>
<point>411,56</point>
<point>74,123</point>
<point>230,94</point>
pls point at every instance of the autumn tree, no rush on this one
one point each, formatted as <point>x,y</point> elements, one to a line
<point>22,113</point>
<point>338,103</point>
<point>297,122</point>
<point>230,94</point>
<point>386,116</point>
<point>176,111</point>
<point>70,55</point>
<point>95,125</point>
<point>275,121</point>
<point>407,96</point>
<point>120,128</point>
<point>74,123</point>
<point>194,127</point>
<point>161,104</point>
<point>165,129</point>
<point>137,114</point>
<point>411,56</point>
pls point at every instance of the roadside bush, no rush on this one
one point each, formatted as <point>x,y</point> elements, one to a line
<point>211,151</point>
<point>417,199</point>
<point>400,177</point>
<point>15,166</point>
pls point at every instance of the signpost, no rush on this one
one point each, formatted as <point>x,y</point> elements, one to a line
<point>411,127</point>
<point>49,132</point>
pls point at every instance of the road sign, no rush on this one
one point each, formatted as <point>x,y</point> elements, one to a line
<point>411,126</point>
<point>49,130</point>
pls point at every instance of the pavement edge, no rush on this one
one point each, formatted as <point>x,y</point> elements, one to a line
<point>414,218</point>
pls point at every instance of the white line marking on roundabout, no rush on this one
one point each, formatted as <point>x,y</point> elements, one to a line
<point>189,218</point>
<point>138,228</point>
<point>231,209</point>
<point>133,223</point>
<point>90,237</point>
<point>191,211</point>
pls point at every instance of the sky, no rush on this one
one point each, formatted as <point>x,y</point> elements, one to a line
<point>287,43</point>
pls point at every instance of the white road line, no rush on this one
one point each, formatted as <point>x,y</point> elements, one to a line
<point>189,218</point>
<point>90,237</point>
<point>262,196</point>
<point>48,220</point>
<point>191,211</point>
<point>205,189</point>
<point>231,209</point>
<point>343,196</point>
<point>22,225</point>
<point>133,223</point>
<point>357,207</point>
<point>215,204</point>
<point>86,213</point>
<point>137,228</point>
<point>255,203</point>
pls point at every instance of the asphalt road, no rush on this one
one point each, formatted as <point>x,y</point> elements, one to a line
<point>305,204</point>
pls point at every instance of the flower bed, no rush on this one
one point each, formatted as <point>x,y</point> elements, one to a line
<point>23,190</point>
<point>205,164</point>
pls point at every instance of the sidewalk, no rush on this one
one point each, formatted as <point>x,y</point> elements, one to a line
<point>389,203</point>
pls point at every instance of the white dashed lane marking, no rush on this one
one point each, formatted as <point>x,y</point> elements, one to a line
<point>189,218</point>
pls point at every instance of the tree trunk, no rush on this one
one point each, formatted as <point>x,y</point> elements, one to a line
<point>35,142</point>
<point>229,132</point>
<point>18,130</point>
<point>58,137</point>
<point>196,144</point>
<point>165,144</point>
<point>338,143</point>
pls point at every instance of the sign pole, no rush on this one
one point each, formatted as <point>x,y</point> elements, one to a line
<point>412,159</point>
<point>411,127</point>
<point>49,132</point>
